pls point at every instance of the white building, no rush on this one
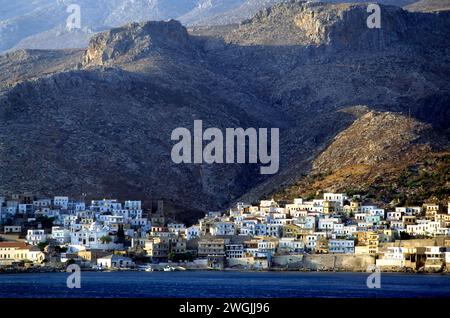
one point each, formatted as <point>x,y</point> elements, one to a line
<point>93,237</point>
<point>368,208</point>
<point>435,257</point>
<point>62,202</point>
<point>25,208</point>
<point>350,230</point>
<point>341,246</point>
<point>234,251</point>
<point>115,261</point>
<point>268,203</point>
<point>335,197</point>
<point>396,257</point>
<point>223,228</point>
<point>327,224</point>
<point>12,229</point>
<point>274,230</point>
<point>397,225</point>
<point>291,245</point>
<point>133,205</point>
<point>34,237</point>
<point>377,212</point>
<point>414,210</point>
<point>19,251</point>
<point>42,203</point>
<point>311,242</point>
<point>60,234</point>
<point>447,257</point>
<point>193,232</point>
<point>424,228</point>
<point>177,228</point>
<point>394,216</point>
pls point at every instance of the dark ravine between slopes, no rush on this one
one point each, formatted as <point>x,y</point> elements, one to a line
<point>101,120</point>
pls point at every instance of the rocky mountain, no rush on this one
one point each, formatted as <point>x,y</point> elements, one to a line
<point>327,60</point>
<point>223,12</point>
<point>42,24</point>
<point>374,154</point>
<point>99,121</point>
<point>429,6</point>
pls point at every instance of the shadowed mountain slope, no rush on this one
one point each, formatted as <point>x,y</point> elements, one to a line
<point>101,122</point>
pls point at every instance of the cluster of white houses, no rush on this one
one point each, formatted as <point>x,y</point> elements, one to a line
<point>109,233</point>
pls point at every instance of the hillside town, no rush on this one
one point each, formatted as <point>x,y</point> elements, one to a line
<point>336,232</point>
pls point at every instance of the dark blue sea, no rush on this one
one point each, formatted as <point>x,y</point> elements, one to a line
<point>200,284</point>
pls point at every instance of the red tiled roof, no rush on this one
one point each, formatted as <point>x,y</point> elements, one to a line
<point>13,244</point>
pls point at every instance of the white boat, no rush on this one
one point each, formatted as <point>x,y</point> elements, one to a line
<point>168,269</point>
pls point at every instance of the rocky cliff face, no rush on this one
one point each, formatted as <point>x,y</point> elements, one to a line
<point>103,126</point>
<point>340,26</point>
<point>41,24</point>
<point>429,6</point>
<point>372,139</point>
<point>137,39</point>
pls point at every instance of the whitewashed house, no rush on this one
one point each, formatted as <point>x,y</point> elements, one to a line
<point>234,251</point>
<point>133,205</point>
<point>274,230</point>
<point>291,245</point>
<point>93,237</point>
<point>341,246</point>
<point>193,232</point>
<point>177,228</point>
<point>415,210</point>
<point>25,208</point>
<point>12,229</point>
<point>115,261</point>
<point>223,228</point>
<point>39,203</point>
<point>327,224</point>
<point>61,202</point>
<point>394,216</point>
<point>311,242</point>
<point>60,234</point>
<point>34,237</point>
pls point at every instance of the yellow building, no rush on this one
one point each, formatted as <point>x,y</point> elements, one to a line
<point>444,218</point>
<point>92,255</point>
<point>409,220</point>
<point>373,243</point>
<point>329,207</point>
<point>292,230</point>
<point>354,206</point>
<point>322,246</point>
<point>20,251</point>
<point>369,239</point>
<point>431,210</point>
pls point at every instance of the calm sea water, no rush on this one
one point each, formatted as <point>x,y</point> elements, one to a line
<point>223,284</point>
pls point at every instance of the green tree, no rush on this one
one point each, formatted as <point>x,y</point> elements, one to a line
<point>106,239</point>
<point>171,256</point>
<point>120,234</point>
<point>46,222</point>
<point>42,246</point>
<point>404,236</point>
<point>176,257</point>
